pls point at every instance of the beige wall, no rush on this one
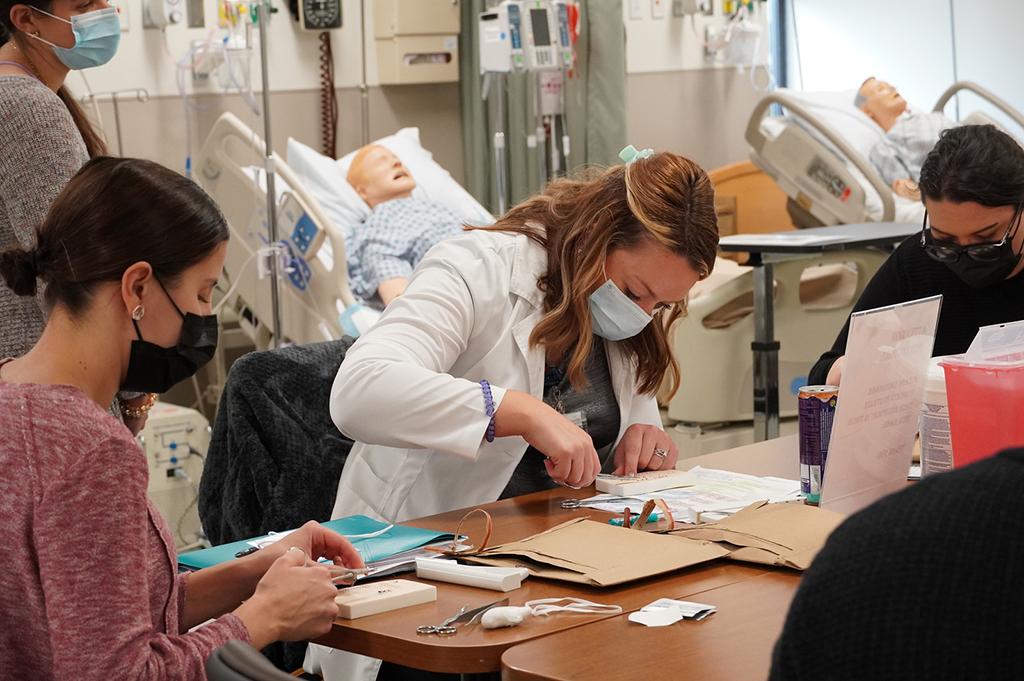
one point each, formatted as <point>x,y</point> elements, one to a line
<point>698,113</point>
<point>156,130</point>
<point>701,114</point>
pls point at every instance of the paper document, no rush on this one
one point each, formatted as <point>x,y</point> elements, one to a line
<point>263,542</point>
<point>403,562</point>
<point>876,420</point>
<point>1000,342</point>
<point>392,565</point>
<point>666,611</point>
<point>714,495</point>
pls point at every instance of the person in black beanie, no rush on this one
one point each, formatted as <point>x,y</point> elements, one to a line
<point>924,584</point>
<point>969,248</point>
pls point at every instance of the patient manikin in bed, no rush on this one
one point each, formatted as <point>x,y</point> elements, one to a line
<point>909,135</point>
<point>383,250</point>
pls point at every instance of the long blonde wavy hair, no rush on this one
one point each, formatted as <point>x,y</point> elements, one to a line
<point>665,197</point>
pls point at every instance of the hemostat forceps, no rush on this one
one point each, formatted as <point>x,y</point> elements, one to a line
<point>587,503</point>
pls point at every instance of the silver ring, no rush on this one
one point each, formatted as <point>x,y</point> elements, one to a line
<point>660,453</point>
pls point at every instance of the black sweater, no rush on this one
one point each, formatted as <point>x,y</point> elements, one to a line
<point>909,274</point>
<point>924,584</point>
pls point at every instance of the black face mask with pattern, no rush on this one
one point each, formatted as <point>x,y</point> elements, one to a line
<point>155,369</point>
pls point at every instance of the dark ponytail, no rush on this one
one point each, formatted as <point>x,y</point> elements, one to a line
<point>974,163</point>
<point>94,143</point>
<point>114,213</point>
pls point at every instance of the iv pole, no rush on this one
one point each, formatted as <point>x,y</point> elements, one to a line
<point>364,90</point>
<point>494,84</point>
<point>268,162</point>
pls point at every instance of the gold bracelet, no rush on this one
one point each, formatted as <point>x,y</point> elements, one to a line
<point>141,410</point>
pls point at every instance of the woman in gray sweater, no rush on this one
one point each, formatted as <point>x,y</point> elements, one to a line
<point>46,135</point>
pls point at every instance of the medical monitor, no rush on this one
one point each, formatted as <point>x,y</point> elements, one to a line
<point>539,24</point>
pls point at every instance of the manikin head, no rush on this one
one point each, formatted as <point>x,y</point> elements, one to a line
<point>378,175</point>
<point>881,102</point>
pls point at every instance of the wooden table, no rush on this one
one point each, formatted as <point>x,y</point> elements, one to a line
<point>392,636</point>
<point>734,643</point>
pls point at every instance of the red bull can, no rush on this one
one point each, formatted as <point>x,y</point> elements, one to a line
<point>817,408</point>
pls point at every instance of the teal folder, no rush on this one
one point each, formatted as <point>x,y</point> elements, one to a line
<point>398,539</point>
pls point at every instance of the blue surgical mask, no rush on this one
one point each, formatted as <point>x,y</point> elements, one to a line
<point>97,35</point>
<point>613,315</point>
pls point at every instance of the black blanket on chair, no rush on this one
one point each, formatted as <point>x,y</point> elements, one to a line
<point>275,456</point>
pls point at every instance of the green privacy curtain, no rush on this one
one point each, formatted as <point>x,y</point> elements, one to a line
<point>595,106</point>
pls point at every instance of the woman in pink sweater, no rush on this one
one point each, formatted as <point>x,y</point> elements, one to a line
<point>89,590</point>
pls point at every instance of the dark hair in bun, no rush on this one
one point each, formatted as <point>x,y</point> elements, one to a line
<point>19,272</point>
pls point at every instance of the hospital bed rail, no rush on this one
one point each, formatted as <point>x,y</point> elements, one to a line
<point>834,195</point>
<point>316,284</point>
<point>984,93</point>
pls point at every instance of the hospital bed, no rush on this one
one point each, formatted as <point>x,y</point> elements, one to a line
<point>316,209</point>
<point>813,297</point>
<point>818,155</point>
<point>314,286</point>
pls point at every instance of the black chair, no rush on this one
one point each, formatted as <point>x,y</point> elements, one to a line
<point>238,661</point>
<point>275,456</point>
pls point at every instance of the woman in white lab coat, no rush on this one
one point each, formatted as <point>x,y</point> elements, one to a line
<point>528,353</point>
<point>446,394</point>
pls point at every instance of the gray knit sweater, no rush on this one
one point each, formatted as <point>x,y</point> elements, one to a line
<point>42,149</point>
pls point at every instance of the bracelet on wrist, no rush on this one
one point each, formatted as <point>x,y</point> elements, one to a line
<point>138,412</point>
<point>488,409</point>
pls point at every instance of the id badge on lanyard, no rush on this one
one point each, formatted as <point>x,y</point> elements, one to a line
<point>578,418</point>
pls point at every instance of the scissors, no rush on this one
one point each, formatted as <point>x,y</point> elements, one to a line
<point>586,503</point>
<point>464,614</point>
<point>343,574</point>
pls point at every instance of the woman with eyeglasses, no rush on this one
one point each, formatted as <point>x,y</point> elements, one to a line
<point>969,248</point>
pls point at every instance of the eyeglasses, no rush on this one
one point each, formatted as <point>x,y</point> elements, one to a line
<point>949,252</point>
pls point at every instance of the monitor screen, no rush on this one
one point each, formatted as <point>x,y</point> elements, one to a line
<point>539,23</point>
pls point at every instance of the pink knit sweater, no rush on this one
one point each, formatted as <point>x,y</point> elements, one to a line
<point>89,588</point>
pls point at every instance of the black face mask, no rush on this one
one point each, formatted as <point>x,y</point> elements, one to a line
<point>979,265</point>
<point>980,275</point>
<point>155,369</point>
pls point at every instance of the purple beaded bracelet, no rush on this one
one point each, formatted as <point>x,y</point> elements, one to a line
<point>489,408</point>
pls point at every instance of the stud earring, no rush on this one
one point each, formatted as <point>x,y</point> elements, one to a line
<point>138,313</point>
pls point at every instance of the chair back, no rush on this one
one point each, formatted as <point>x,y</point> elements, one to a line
<point>239,661</point>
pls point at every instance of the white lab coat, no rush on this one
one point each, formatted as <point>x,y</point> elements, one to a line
<point>408,391</point>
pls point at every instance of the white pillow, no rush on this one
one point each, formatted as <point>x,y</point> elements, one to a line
<point>325,179</point>
<point>836,111</point>
<point>322,178</point>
